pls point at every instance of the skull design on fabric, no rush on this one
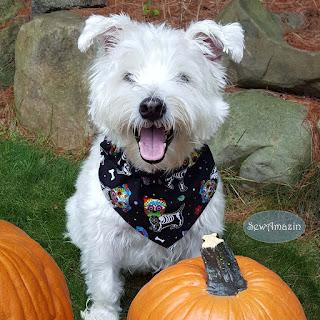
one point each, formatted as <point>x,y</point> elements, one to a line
<point>154,207</point>
<point>207,190</point>
<point>120,196</point>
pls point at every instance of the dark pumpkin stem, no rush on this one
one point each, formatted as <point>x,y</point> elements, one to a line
<point>224,275</point>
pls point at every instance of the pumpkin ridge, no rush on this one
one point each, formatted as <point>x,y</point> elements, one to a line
<point>234,306</point>
<point>35,268</point>
<point>144,292</point>
<point>5,274</point>
<point>181,308</point>
<point>255,310</point>
<point>31,283</point>
<point>172,279</point>
<point>60,297</point>
<point>212,310</point>
<point>247,309</point>
<point>262,307</point>
<point>60,307</point>
<point>57,302</point>
<point>262,274</point>
<point>16,284</point>
<point>269,280</point>
<point>274,301</point>
<point>190,308</point>
<point>163,298</point>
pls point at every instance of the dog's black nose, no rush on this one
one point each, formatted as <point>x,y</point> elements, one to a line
<point>152,109</point>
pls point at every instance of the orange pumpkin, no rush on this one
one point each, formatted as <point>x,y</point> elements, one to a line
<point>31,284</point>
<point>181,292</point>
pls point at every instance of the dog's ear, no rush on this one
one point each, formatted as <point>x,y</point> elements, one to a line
<point>109,28</point>
<point>214,38</point>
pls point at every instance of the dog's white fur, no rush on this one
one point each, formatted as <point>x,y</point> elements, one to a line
<point>155,58</point>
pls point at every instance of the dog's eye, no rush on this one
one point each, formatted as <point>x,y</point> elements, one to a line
<point>128,77</point>
<point>184,78</point>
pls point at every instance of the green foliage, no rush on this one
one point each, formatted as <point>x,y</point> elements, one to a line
<point>148,11</point>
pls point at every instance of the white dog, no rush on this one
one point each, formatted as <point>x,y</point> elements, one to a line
<point>149,189</point>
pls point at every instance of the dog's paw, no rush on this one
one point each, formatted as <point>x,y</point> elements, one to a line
<point>99,313</point>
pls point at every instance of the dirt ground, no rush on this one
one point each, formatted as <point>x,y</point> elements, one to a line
<point>179,13</point>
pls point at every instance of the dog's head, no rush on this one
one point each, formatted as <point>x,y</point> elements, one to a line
<point>156,92</point>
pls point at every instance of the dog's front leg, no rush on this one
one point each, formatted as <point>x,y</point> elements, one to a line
<point>104,287</point>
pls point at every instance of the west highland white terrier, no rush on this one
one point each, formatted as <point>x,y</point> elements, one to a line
<point>149,189</point>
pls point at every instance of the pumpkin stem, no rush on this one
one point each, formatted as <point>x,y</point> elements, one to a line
<point>224,275</point>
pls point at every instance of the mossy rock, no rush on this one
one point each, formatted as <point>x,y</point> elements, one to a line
<point>269,62</point>
<point>266,138</point>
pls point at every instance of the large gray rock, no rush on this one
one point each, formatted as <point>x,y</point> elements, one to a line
<point>8,37</point>
<point>44,6</point>
<point>265,137</point>
<point>50,81</point>
<point>269,62</point>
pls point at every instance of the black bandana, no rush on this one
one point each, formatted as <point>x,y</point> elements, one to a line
<point>162,207</point>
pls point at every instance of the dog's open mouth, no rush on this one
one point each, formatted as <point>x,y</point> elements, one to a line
<point>153,142</point>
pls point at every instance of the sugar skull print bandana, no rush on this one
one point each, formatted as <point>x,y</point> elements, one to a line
<point>160,206</point>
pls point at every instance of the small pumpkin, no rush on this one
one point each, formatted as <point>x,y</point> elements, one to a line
<point>218,286</point>
<point>31,284</point>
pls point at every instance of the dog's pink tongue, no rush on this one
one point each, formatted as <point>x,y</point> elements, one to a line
<point>152,143</point>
